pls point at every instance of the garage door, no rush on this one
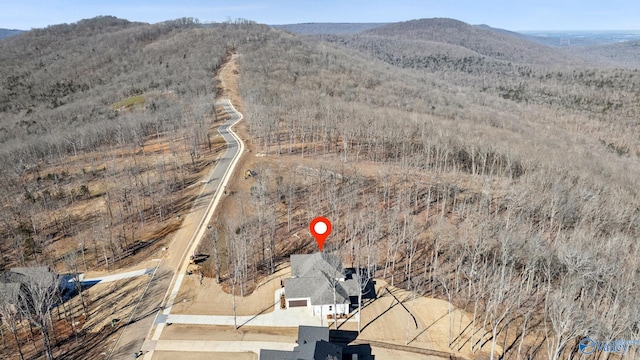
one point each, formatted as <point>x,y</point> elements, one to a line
<point>297,303</point>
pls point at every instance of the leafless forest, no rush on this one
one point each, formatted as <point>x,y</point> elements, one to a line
<point>80,104</point>
<point>467,165</point>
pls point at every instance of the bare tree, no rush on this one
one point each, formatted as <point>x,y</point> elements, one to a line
<point>10,311</point>
<point>363,278</point>
<point>563,321</point>
<point>234,281</point>
<point>71,261</point>
<point>40,294</point>
<point>333,284</point>
<point>500,303</point>
<point>213,236</point>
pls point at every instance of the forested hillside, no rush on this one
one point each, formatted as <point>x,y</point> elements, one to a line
<point>107,128</point>
<point>456,162</point>
<point>623,54</point>
<point>327,28</point>
<point>63,80</point>
<point>104,125</point>
<point>507,187</point>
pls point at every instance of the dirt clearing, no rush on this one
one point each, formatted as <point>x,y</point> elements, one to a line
<point>210,299</point>
<point>227,333</point>
<point>385,320</point>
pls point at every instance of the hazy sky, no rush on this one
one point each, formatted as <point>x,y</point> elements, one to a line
<point>506,14</point>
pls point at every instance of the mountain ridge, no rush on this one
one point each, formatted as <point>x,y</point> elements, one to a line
<point>326,28</point>
<point>498,44</point>
<point>625,54</point>
<point>5,33</point>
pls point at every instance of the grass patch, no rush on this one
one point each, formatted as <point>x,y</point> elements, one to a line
<point>128,103</point>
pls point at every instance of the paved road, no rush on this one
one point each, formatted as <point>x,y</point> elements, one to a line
<point>170,273</point>
<point>215,185</point>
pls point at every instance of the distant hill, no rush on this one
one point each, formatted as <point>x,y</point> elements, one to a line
<point>597,47</point>
<point>500,31</point>
<point>88,27</point>
<point>328,28</point>
<point>582,38</point>
<point>494,43</point>
<point>63,79</point>
<point>5,33</point>
<point>626,54</point>
<point>533,38</point>
<point>552,39</point>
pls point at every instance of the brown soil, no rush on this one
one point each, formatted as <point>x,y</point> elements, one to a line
<point>200,297</point>
<point>115,300</point>
<point>176,355</point>
<point>386,321</point>
<point>67,222</point>
<point>382,353</point>
<point>227,333</point>
<point>383,320</point>
<point>227,84</point>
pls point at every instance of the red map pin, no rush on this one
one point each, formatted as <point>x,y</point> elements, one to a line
<point>320,228</point>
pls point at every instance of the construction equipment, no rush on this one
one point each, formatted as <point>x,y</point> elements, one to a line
<point>249,173</point>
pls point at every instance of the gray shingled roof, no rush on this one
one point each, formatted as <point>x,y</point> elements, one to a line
<point>307,334</point>
<point>12,280</point>
<point>9,292</point>
<point>309,265</point>
<point>276,355</point>
<point>32,271</point>
<point>312,275</point>
<point>319,350</point>
<point>299,288</point>
<point>25,274</point>
<point>313,344</point>
<point>351,287</point>
<point>9,277</point>
<point>316,350</point>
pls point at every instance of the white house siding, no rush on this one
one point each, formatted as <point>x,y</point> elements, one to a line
<point>323,310</point>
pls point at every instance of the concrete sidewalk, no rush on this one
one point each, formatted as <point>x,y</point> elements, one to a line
<point>115,277</point>
<point>275,317</point>
<point>290,318</point>
<point>220,346</point>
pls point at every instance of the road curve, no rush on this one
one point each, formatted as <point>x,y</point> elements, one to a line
<point>175,265</point>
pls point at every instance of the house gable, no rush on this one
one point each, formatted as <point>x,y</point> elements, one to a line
<point>313,277</point>
<point>310,265</point>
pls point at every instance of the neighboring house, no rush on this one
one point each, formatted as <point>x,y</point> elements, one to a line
<point>312,283</point>
<point>19,277</point>
<point>314,343</point>
<point>8,292</point>
<point>23,274</point>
